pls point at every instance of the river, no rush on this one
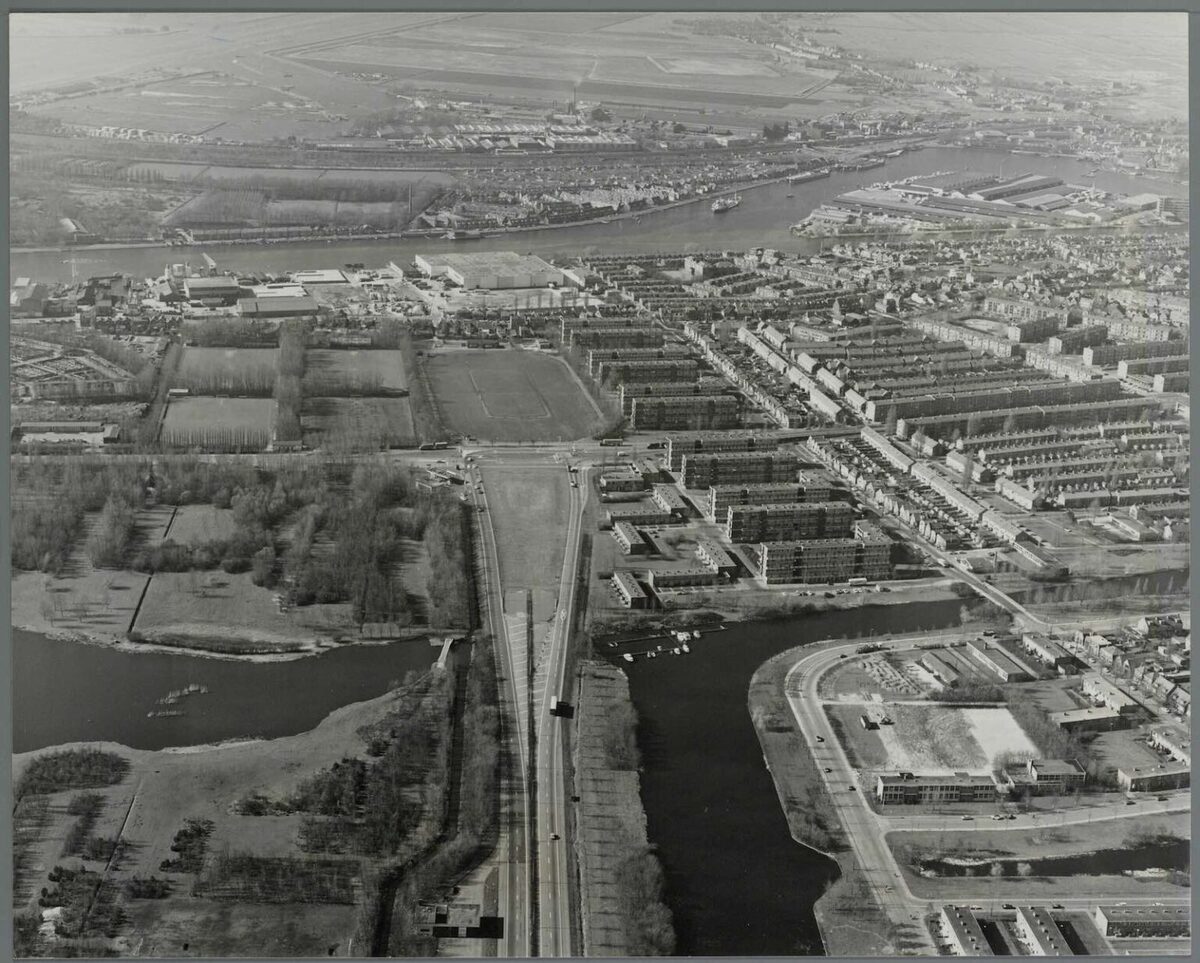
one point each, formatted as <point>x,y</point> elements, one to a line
<point>72,692</point>
<point>762,220</point>
<point>737,884</point>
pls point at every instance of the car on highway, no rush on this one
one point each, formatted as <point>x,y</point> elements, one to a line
<point>852,788</point>
<point>967,818</point>
<point>1009,906</point>
<point>820,738</point>
<point>1012,815</point>
<point>1130,802</point>
<point>827,769</point>
<point>1162,798</point>
<point>999,817</point>
<point>555,836</point>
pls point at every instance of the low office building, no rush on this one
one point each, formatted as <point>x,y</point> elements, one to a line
<point>682,576</point>
<point>1102,692</point>
<point>788,522</point>
<point>963,932</point>
<point>1040,934</point>
<point>1155,920</point>
<point>627,537</point>
<point>642,513</point>
<point>906,788</point>
<point>1172,775</point>
<point>1092,719</point>
<point>628,591</point>
<point>622,480</point>
<point>1046,650</point>
<point>667,498</point>
<point>1043,777</point>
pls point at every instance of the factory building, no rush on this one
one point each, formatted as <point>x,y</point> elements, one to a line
<point>1038,931</point>
<point>491,270</point>
<point>212,290</point>
<point>686,413</point>
<point>788,522</point>
<point>939,669</point>
<point>703,470</point>
<point>905,788</point>
<point>278,307</point>
<point>994,660</point>
<point>1172,920</point>
<point>1046,650</point>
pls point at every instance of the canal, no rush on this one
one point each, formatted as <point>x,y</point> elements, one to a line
<point>762,220</point>
<point>67,691</point>
<point>737,884</point>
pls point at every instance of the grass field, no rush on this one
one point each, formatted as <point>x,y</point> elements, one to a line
<point>938,739</point>
<point>863,746</point>
<point>195,524</point>
<point>499,395</point>
<point>234,422</point>
<point>358,424</point>
<point>210,361</point>
<point>528,510</point>
<point>233,612</point>
<point>384,367</point>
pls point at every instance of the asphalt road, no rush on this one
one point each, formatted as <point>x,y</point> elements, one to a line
<point>866,829</point>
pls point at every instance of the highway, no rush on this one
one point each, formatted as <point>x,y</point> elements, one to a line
<point>515,896</point>
<point>866,829</point>
<point>554,904</point>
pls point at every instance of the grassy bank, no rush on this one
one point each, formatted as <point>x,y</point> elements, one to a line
<point>622,892</point>
<point>851,922</point>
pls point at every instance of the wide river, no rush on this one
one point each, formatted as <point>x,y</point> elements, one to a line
<point>73,692</point>
<point>737,883</point>
<point>763,219</point>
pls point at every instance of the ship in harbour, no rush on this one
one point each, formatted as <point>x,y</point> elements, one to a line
<point>722,204</point>
<point>808,176</point>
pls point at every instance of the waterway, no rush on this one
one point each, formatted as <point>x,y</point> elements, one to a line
<point>737,883</point>
<point>762,220</point>
<point>1165,856</point>
<point>67,691</point>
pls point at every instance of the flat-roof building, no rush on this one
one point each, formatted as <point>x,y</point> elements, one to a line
<point>703,442</point>
<point>493,270</point>
<point>1040,933</point>
<point>628,591</point>
<point>713,555</point>
<point>811,486</point>
<point>909,789</point>
<point>627,537</point>
<point>963,932</point>
<point>1093,719</point>
<point>746,467</point>
<point>1171,775</point>
<point>686,412</point>
<point>1122,920</point>
<point>281,307</point>
<point>787,522</point>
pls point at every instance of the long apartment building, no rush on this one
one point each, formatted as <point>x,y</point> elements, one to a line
<point>867,554</point>
<point>1033,416</point>
<point>686,413</point>
<point>704,442</point>
<point>603,323</point>
<point>621,337</point>
<point>811,487</point>
<point>744,467</point>
<point>659,369</point>
<point>1045,393</point>
<point>600,356</point>
<point>1106,355</point>
<point>788,521</point>
<point>674,389</point>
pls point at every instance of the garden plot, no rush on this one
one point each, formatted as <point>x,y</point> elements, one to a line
<point>927,739</point>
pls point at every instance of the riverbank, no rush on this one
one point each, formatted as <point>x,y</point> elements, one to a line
<point>610,831</point>
<point>850,921</point>
<point>166,787</point>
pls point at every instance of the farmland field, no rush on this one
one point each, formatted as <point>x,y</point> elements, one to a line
<point>246,423</point>
<point>927,738</point>
<point>503,395</point>
<point>195,524</point>
<point>357,424</point>
<point>384,368</point>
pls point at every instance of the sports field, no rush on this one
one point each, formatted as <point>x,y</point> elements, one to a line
<point>509,395</point>
<point>222,423</point>
<point>358,424</point>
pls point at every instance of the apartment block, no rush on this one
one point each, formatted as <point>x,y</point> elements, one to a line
<point>599,356</point>
<point>665,369</point>
<point>704,442</point>
<point>628,591</point>
<point>811,487</point>
<point>963,931</point>
<point>1126,920</point>
<point>787,522</point>
<point>621,337</point>
<point>676,389</point>
<point>1038,931</point>
<point>627,537</point>
<point>747,467</point>
<point>685,413</point>
<point>712,554</point>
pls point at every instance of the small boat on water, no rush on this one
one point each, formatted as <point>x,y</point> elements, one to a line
<point>695,633</point>
<point>808,176</point>
<point>685,647</point>
<point>723,204</point>
<point>651,655</point>
<point>790,194</point>
<point>628,657</point>
<point>164,714</point>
